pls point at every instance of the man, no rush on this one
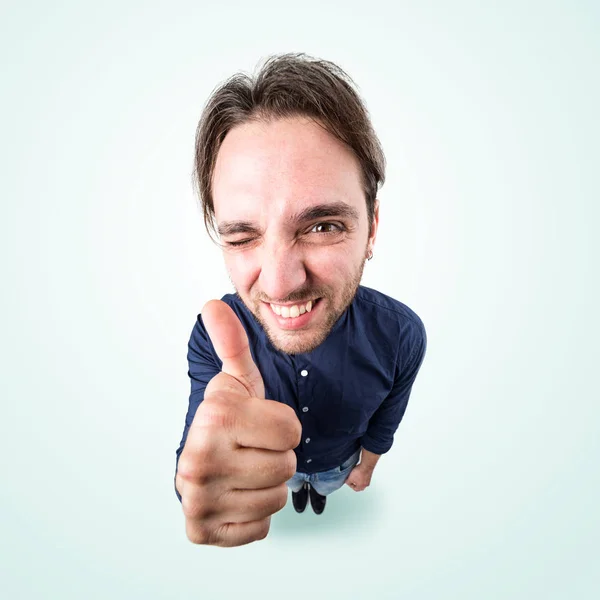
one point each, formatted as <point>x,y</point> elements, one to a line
<point>303,372</point>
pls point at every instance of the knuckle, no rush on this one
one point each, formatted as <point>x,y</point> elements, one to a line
<point>282,497</point>
<point>215,412</point>
<point>179,483</point>
<point>196,467</point>
<point>199,534</point>
<point>197,506</point>
<point>295,432</point>
<point>186,469</point>
<point>263,531</point>
<point>291,429</point>
<point>223,386</point>
<point>290,464</point>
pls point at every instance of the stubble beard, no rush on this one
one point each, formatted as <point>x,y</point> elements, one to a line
<point>301,342</point>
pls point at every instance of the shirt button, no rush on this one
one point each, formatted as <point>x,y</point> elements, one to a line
<point>304,372</point>
<point>305,409</point>
<point>309,460</point>
<point>307,440</point>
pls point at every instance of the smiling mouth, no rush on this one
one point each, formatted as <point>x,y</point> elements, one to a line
<point>291,311</point>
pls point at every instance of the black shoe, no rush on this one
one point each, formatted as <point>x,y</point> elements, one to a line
<point>317,501</point>
<point>300,498</point>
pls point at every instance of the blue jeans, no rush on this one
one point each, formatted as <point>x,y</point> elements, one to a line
<point>325,482</point>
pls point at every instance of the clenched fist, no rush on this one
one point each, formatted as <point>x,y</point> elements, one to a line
<point>239,449</point>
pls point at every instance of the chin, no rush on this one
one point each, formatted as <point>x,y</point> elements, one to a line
<point>299,342</point>
<point>299,346</point>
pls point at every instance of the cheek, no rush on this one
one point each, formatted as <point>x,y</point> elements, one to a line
<point>242,270</point>
<point>333,263</point>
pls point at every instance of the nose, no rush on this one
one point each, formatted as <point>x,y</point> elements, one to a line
<point>282,271</point>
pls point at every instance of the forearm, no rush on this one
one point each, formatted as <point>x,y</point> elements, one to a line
<point>368,460</point>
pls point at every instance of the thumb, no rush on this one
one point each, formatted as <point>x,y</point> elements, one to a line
<point>230,342</point>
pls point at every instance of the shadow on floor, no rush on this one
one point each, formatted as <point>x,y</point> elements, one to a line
<point>345,511</point>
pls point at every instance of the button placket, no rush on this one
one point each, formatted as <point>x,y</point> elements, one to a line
<point>303,375</point>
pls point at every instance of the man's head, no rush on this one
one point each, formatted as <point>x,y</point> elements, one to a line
<point>288,169</point>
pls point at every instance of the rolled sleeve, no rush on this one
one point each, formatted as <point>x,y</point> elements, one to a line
<point>203,364</point>
<point>379,436</point>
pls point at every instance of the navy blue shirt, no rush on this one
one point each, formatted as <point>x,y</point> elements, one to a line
<point>350,391</point>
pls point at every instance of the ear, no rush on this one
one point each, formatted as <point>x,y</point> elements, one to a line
<point>373,233</point>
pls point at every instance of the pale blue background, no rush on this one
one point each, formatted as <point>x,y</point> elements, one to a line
<point>488,113</point>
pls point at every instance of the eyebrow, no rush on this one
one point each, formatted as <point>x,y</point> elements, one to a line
<point>318,211</point>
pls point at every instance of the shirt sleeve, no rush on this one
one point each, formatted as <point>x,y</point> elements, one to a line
<point>204,364</point>
<point>379,436</point>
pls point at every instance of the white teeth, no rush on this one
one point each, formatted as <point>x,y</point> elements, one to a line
<point>292,311</point>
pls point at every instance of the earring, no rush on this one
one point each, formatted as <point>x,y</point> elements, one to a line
<point>370,255</point>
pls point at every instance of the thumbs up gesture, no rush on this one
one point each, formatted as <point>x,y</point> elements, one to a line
<point>239,449</point>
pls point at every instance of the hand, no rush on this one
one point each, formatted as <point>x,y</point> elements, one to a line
<point>359,478</point>
<point>239,449</point>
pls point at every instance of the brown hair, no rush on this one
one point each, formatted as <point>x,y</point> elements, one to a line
<point>287,85</point>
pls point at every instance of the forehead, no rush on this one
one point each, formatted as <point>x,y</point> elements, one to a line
<point>276,168</point>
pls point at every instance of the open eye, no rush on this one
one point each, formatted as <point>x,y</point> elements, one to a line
<point>337,228</point>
